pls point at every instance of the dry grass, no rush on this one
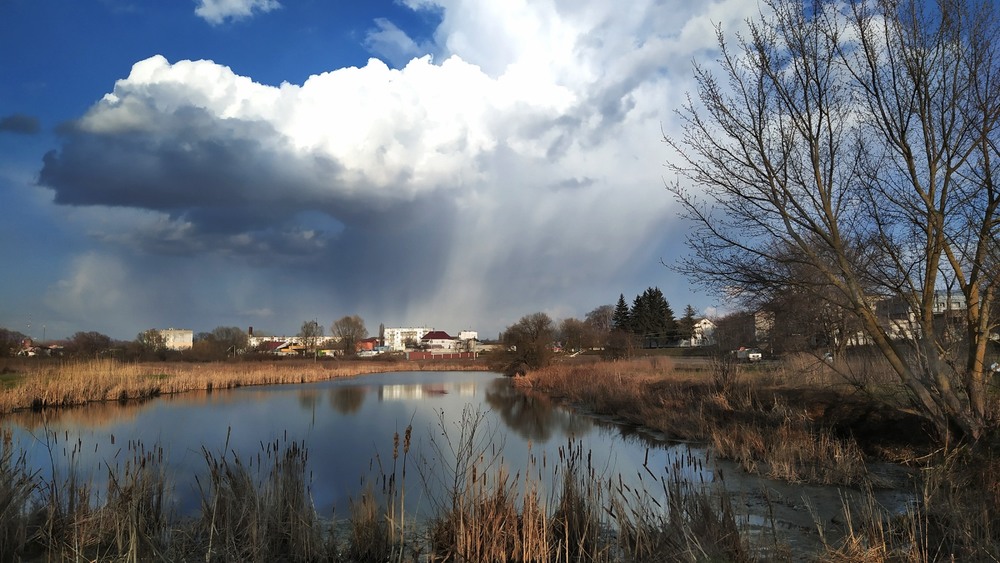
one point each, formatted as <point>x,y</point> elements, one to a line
<point>134,512</point>
<point>64,518</point>
<point>46,384</point>
<point>778,420</point>
<point>17,485</point>
<point>739,409</point>
<point>263,514</point>
<point>370,538</point>
<point>491,515</point>
<point>696,524</point>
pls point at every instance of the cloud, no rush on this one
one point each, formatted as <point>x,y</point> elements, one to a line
<point>521,171</point>
<point>19,124</point>
<point>93,287</point>
<point>393,44</point>
<point>217,12</point>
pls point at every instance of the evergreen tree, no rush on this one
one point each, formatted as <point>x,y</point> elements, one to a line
<point>621,318</point>
<point>620,341</point>
<point>685,326</point>
<point>652,318</point>
<point>641,320</point>
<point>666,324</point>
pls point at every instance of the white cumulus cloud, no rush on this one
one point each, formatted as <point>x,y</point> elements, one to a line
<point>513,164</point>
<point>217,12</point>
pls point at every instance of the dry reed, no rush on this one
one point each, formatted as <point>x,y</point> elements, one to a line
<point>725,405</point>
<point>249,516</point>
<point>17,485</point>
<point>47,384</point>
<point>263,512</point>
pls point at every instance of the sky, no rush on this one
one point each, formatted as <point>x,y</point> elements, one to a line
<point>454,164</point>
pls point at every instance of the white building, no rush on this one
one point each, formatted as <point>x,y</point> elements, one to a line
<point>319,341</point>
<point>439,340</point>
<point>177,339</point>
<point>396,339</point>
<point>948,301</point>
<point>704,332</point>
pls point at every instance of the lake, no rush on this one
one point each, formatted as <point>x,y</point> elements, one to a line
<point>349,428</point>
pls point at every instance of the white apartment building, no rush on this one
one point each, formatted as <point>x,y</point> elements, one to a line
<point>177,339</point>
<point>396,338</point>
<point>321,341</point>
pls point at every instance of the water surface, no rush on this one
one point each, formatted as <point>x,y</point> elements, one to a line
<point>350,427</point>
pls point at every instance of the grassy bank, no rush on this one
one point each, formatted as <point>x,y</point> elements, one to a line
<point>808,421</point>
<point>38,384</point>
<point>795,423</point>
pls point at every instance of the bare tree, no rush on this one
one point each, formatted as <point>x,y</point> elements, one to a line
<point>311,333</point>
<point>350,330</point>
<point>846,151</point>
<point>600,321</point>
<point>575,334</point>
<point>10,342</point>
<point>233,339</point>
<point>735,330</point>
<point>84,344</point>
<point>529,343</point>
<point>151,342</point>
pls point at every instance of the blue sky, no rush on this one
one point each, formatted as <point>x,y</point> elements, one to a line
<point>445,163</point>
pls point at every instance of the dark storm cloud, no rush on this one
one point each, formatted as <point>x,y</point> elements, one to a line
<point>231,187</point>
<point>191,164</point>
<point>19,124</point>
<point>226,185</point>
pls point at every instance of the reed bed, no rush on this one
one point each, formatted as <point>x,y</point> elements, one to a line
<point>47,384</point>
<point>952,519</point>
<point>743,411</point>
<point>692,526</point>
<point>258,514</point>
<point>484,512</point>
<point>66,517</point>
<point>17,485</point>
<point>781,421</point>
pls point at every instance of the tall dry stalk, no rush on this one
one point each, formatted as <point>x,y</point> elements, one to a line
<point>576,522</point>
<point>370,538</point>
<point>248,516</point>
<point>134,513</point>
<point>17,485</point>
<point>70,526</point>
<point>488,514</point>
